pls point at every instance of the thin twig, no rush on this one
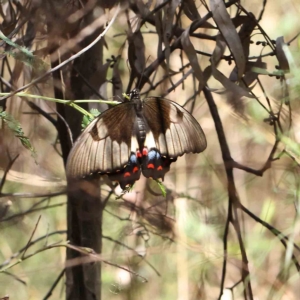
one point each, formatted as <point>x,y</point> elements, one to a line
<point>123,245</point>
<point>29,241</point>
<point>67,61</point>
<point>282,238</point>
<point>54,245</point>
<point>55,283</point>
<point>31,211</point>
<point>32,195</point>
<point>15,277</point>
<point>6,172</point>
<point>89,256</point>
<point>46,115</point>
<point>16,254</point>
<point>225,237</point>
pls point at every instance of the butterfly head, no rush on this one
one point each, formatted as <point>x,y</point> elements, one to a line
<point>135,94</point>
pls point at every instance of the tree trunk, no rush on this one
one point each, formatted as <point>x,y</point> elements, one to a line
<point>84,208</point>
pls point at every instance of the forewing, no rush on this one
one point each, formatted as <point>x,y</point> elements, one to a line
<point>104,146</point>
<point>174,130</point>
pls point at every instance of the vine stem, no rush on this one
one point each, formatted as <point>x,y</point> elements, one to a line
<point>71,103</point>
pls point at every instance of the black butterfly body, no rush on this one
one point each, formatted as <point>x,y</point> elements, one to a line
<point>133,137</point>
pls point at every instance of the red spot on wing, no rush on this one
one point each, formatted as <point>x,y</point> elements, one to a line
<point>159,168</point>
<point>145,151</point>
<point>138,153</point>
<point>150,166</point>
<point>127,174</point>
<point>135,169</point>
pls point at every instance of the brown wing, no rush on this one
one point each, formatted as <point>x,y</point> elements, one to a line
<point>104,146</point>
<point>174,130</point>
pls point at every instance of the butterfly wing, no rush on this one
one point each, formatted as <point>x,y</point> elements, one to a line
<point>172,132</point>
<point>129,174</point>
<point>104,147</point>
<point>112,144</point>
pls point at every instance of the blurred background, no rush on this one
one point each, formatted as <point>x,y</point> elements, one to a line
<point>154,246</point>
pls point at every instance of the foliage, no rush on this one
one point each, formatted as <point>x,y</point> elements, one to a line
<point>225,223</point>
<point>16,128</point>
<point>87,120</point>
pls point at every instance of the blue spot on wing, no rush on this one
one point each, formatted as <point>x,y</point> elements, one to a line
<point>154,165</point>
<point>129,174</point>
<point>153,154</point>
<point>133,159</point>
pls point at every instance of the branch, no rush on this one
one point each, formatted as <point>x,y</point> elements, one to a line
<point>6,172</point>
<point>55,283</point>
<point>67,61</point>
<point>29,241</point>
<point>15,255</point>
<point>233,198</point>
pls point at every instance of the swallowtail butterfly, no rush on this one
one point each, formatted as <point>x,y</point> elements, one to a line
<point>135,137</point>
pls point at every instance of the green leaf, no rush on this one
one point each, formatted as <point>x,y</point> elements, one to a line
<point>265,72</point>
<point>23,54</point>
<point>95,112</point>
<point>16,128</point>
<point>86,120</point>
<point>162,188</point>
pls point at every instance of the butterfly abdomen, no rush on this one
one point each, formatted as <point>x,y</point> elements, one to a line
<point>140,132</point>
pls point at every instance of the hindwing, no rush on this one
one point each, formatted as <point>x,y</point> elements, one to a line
<point>129,174</point>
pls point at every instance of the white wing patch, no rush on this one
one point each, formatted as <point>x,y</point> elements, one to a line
<point>176,146</point>
<point>162,144</point>
<point>173,113</point>
<point>102,130</point>
<point>116,157</point>
<point>169,141</point>
<point>150,141</point>
<point>134,144</point>
<point>124,153</point>
<point>99,155</point>
<point>107,159</point>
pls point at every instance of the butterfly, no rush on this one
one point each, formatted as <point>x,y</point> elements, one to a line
<point>134,137</point>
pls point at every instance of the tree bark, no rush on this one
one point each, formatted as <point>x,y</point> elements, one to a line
<point>84,208</point>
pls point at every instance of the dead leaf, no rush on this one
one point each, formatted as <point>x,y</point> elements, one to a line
<point>191,10</point>
<point>136,52</point>
<point>116,80</point>
<point>230,86</point>
<point>228,31</point>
